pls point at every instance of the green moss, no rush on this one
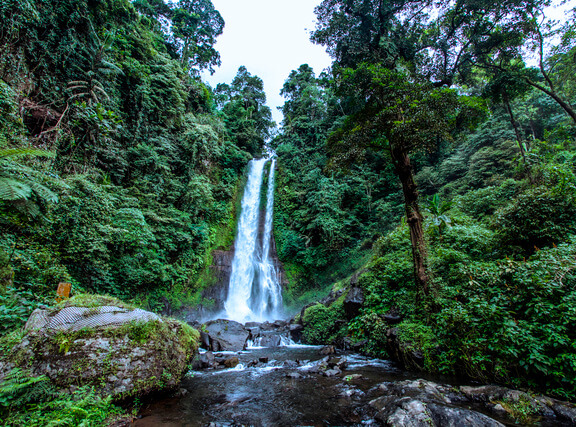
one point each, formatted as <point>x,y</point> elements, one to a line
<point>522,409</point>
<point>92,301</point>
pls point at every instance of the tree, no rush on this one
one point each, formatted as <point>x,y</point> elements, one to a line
<point>248,119</point>
<point>400,116</point>
<point>195,26</point>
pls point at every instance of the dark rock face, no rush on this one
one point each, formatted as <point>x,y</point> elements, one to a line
<point>399,352</point>
<point>425,403</point>
<point>353,301</point>
<point>226,335</point>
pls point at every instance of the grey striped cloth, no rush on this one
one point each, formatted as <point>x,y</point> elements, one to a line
<point>76,318</point>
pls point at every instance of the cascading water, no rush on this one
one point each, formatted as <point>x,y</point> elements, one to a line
<point>254,292</point>
<point>267,295</point>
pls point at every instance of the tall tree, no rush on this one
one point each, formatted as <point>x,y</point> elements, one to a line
<point>195,26</point>
<point>406,50</point>
<point>248,119</point>
<point>401,117</point>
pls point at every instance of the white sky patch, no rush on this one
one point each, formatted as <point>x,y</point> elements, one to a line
<point>271,38</point>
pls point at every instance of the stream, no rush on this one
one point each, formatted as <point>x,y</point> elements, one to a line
<point>286,390</point>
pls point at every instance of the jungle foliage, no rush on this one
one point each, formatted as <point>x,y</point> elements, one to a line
<point>119,167</point>
<point>435,161</point>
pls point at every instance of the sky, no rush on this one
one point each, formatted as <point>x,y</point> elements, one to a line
<point>272,38</point>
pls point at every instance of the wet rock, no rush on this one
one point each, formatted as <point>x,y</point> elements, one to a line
<point>331,372</point>
<point>354,345</point>
<point>296,330</point>
<point>337,362</point>
<point>326,350</point>
<point>231,362</point>
<point>397,410</point>
<point>450,416</point>
<point>226,335</point>
<point>203,361</point>
<point>254,331</point>
<point>263,359</point>
<point>402,352</point>
<point>294,375</point>
<point>204,340</point>
<point>249,325</point>
<point>485,393</point>
<point>290,364</point>
<point>353,302</point>
<point>270,340</point>
<point>352,377</point>
<point>565,411</point>
<point>112,355</point>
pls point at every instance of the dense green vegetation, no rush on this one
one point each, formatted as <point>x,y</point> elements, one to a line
<point>436,159</point>
<point>119,168</point>
<point>435,150</point>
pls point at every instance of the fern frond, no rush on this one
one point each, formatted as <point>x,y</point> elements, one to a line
<point>43,192</point>
<point>11,189</point>
<point>19,388</point>
<point>13,153</point>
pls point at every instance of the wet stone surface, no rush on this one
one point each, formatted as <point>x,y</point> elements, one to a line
<point>298,386</point>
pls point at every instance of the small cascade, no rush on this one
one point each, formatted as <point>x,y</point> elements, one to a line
<point>254,293</point>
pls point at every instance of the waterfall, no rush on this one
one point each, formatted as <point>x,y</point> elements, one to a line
<point>254,293</point>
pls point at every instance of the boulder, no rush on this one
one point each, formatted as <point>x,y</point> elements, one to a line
<point>326,350</point>
<point>100,341</point>
<point>226,335</point>
<point>424,403</point>
<point>231,362</point>
<point>411,401</point>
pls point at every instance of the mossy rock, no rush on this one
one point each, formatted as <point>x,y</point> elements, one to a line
<point>121,360</point>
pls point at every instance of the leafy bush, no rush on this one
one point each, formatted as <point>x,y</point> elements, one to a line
<point>322,324</point>
<point>15,308</point>
<point>28,400</point>
<point>537,218</point>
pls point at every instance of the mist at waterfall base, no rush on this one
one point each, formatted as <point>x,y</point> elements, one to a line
<point>254,291</point>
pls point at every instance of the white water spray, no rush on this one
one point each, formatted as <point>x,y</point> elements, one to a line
<point>254,293</point>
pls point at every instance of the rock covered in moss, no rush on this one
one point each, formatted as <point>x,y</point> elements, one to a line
<point>100,341</point>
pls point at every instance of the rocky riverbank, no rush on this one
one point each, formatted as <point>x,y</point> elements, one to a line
<point>302,385</point>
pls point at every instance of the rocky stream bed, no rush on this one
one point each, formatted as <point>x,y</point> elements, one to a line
<point>265,383</point>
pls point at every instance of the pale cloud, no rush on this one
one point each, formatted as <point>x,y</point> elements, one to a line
<point>272,37</point>
<point>269,37</point>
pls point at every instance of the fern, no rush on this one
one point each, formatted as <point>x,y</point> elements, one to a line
<point>14,153</point>
<point>18,183</point>
<point>20,388</point>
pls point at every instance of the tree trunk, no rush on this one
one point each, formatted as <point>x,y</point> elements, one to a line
<point>414,218</point>
<point>514,125</point>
